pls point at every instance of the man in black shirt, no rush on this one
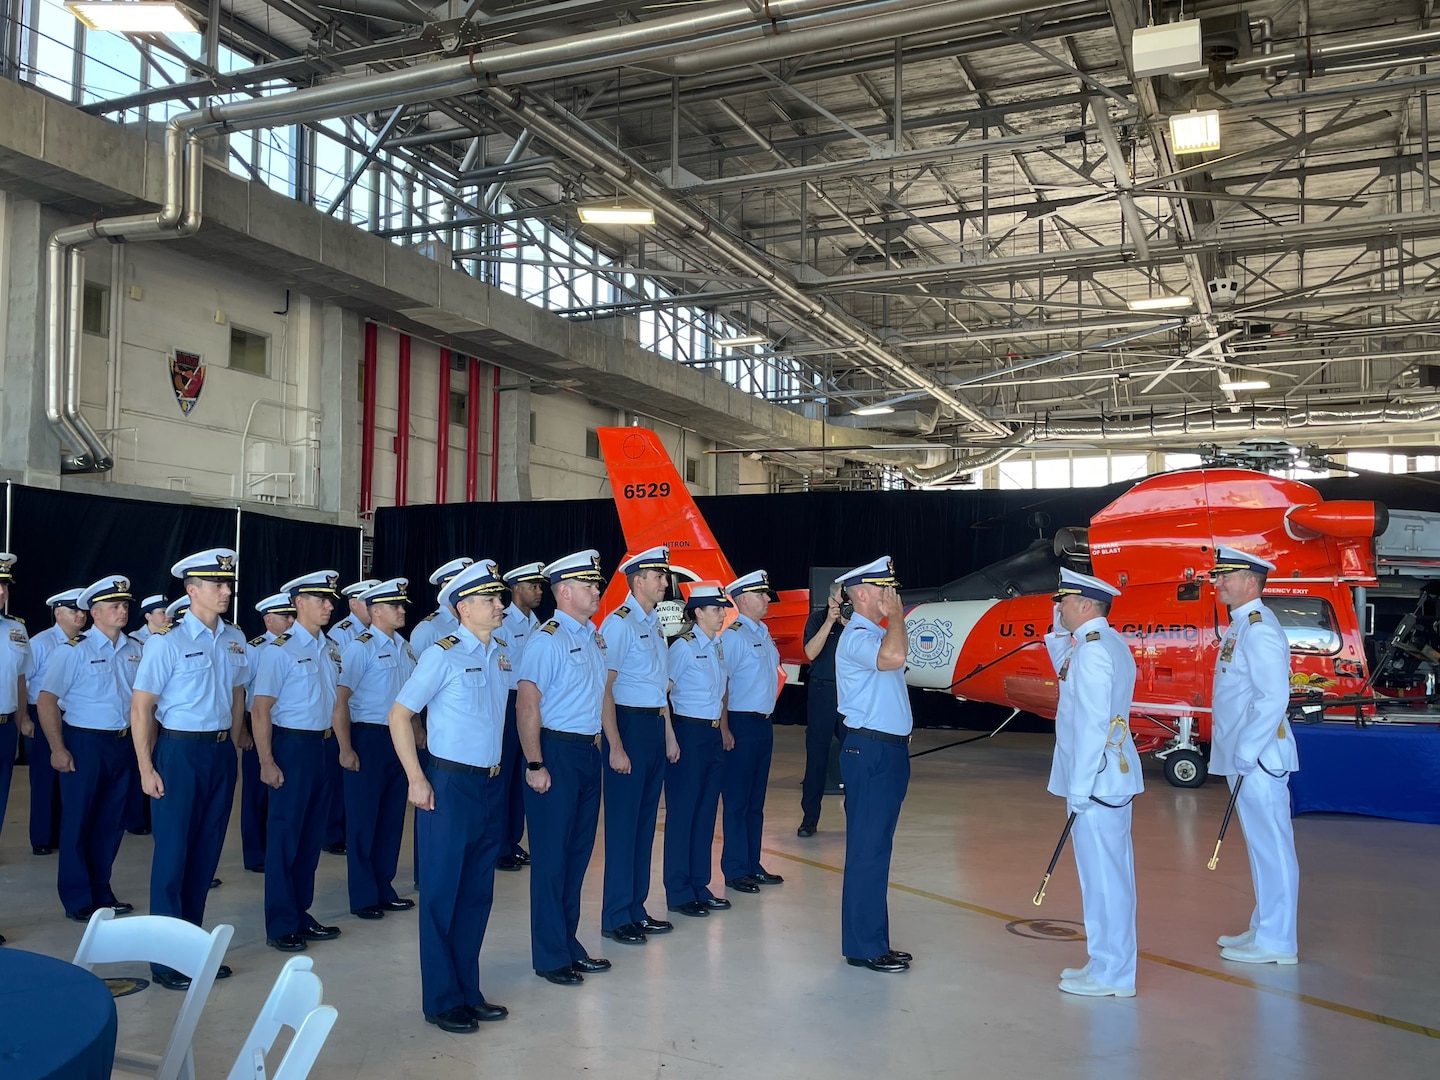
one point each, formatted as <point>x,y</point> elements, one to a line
<point>824,726</point>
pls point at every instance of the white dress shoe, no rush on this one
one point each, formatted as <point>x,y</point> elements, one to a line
<point>1231,941</point>
<point>1250,954</point>
<point>1075,973</point>
<point>1088,987</point>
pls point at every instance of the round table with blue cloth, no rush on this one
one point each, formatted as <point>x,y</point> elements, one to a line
<point>56,1020</point>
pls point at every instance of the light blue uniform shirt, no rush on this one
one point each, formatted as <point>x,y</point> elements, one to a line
<point>373,667</point>
<point>300,672</point>
<point>567,665</point>
<point>439,623</point>
<point>252,654</point>
<point>93,678</point>
<point>141,634</point>
<point>752,663</point>
<point>42,645</point>
<point>635,651</point>
<point>517,628</point>
<point>697,675</point>
<point>463,684</point>
<point>15,661</point>
<point>869,697</point>
<point>346,631</point>
<point>193,671</point>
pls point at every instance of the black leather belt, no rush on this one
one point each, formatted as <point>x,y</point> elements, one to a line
<point>878,736</point>
<point>694,720</point>
<point>203,736</point>
<point>445,765</point>
<point>640,712</point>
<point>114,733</point>
<point>568,736</point>
<point>280,729</point>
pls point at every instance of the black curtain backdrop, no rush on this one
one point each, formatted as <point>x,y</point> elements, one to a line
<point>274,549</point>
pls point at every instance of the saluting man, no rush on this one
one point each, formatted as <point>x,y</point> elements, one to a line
<point>442,620</point>
<point>875,760</point>
<point>152,610</point>
<point>45,807</point>
<point>527,587</point>
<point>1251,741</point>
<point>562,684</point>
<point>277,612</point>
<point>692,782</point>
<point>357,621</point>
<point>1097,772</point>
<point>91,678</point>
<point>373,667</point>
<point>638,740</point>
<point>291,716</point>
<point>192,679</point>
<point>15,665</point>
<point>752,667</point>
<point>458,796</point>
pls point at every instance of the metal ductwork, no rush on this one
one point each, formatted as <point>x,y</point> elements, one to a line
<point>900,420</point>
<point>1221,420</point>
<point>1315,59</point>
<point>941,473</point>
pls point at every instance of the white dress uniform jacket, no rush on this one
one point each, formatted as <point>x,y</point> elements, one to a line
<point>1094,755</point>
<point>1251,694</point>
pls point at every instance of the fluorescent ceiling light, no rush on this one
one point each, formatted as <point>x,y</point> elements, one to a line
<point>1195,132</point>
<point>873,410</point>
<point>1160,303</point>
<point>742,340</point>
<point>616,214</point>
<point>1245,384</point>
<point>133,16</point>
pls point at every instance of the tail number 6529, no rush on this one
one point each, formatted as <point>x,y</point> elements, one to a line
<point>646,491</point>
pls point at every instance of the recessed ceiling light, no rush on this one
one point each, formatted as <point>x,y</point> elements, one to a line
<point>1245,384</point>
<point>616,214</point>
<point>1159,303</point>
<point>133,16</point>
<point>873,410</point>
<point>741,340</point>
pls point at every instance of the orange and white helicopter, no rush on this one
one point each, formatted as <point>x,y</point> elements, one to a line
<point>1156,542</point>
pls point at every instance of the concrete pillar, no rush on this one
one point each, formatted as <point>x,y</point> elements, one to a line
<point>340,354</point>
<point>727,474</point>
<point>513,482</point>
<point>28,446</point>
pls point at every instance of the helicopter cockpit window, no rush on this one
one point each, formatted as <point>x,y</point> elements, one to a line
<point>1308,621</point>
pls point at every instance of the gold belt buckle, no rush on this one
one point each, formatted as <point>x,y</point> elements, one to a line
<point>221,736</point>
<point>329,732</point>
<point>714,723</point>
<point>494,771</point>
<point>124,733</point>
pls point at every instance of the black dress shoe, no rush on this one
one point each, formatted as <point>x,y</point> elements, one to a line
<point>81,915</point>
<point>258,868</point>
<point>765,878</point>
<point>901,955</point>
<point>742,884</point>
<point>590,965</point>
<point>696,909</point>
<point>485,1011</point>
<point>215,883</point>
<point>507,862</point>
<point>457,1020</point>
<point>370,911</point>
<point>561,976</point>
<point>334,849</point>
<point>171,980</point>
<point>142,831</point>
<point>655,926</point>
<point>716,903</point>
<point>223,971</point>
<point>316,932</point>
<point>122,908</point>
<point>400,903</point>
<point>522,856</point>
<point>807,828</point>
<point>629,934</point>
<point>885,962</point>
<point>287,943</point>
<point>42,851</point>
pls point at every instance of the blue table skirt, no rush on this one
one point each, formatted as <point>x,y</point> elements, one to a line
<point>1389,771</point>
<point>56,1020</point>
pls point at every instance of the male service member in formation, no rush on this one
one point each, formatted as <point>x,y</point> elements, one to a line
<point>373,667</point>
<point>527,588</point>
<point>752,668</point>
<point>357,620</point>
<point>137,806</point>
<point>875,762</point>
<point>692,783</point>
<point>15,665</point>
<point>562,683</point>
<point>91,678</point>
<point>291,715</point>
<point>345,630</point>
<point>461,803</point>
<point>639,738</point>
<point>277,612</point>
<point>1097,772</point>
<point>441,621</point>
<point>192,679</point>
<point>1251,741</point>
<point>152,610</point>
<point>45,809</point>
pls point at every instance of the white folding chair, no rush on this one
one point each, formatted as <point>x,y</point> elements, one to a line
<point>175,943</point>
<point>294,1002</point>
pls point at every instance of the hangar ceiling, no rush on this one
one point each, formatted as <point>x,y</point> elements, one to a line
<point>945,208</point>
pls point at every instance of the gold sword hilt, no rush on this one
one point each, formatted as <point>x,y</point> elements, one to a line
<point>1215,858</point>
<point>1040,896</point>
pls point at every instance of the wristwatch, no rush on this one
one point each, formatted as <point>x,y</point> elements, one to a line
<point>535,766</point>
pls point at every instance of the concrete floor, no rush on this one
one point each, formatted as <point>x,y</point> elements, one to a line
<point>762,990</point>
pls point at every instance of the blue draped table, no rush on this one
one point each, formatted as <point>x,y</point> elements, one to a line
<point>1388,771</point>
<point>56,1020</point>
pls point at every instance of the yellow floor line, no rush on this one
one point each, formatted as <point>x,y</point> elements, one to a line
<point>1154,958</point>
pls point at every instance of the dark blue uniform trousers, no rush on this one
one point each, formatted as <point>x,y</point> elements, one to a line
<point>692,799</point>
<point>295,829</point>
<point>461,840</point>
<point>93,822</point>
<point>189,822</point>
<point>632,803</point>
<point>375,801</point>
<point>562,838</point>
<point>9,740</point>
<point>824,727</point>
<point>334,795</point>
<point>876,776</point>
<point>743,780</point>
<point>254,808</point>
<point>512,782</point>
<point>44,789</point>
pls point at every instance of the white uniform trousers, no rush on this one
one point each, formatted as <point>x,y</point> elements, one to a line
<point>1106,866</point>
<point>1264,808</point>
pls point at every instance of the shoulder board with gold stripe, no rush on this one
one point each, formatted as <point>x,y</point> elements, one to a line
<point>162,631</point>
<point>430,616</point>
<point>449,641</point>
<point>18,619</point>
<point>1093,635</point>
<point>366,636</point>
<point>73,641</point>
<point>344,624</point>
<point>550,627</point>
<point>253,641</point>
<point>1255,617</point>
<point>622,611</point>
<point>689,635</point>
<point>281,639</point>
<point>734,625</point>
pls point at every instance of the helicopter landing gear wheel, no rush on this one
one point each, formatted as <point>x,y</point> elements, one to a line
<point>1186,769</point>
